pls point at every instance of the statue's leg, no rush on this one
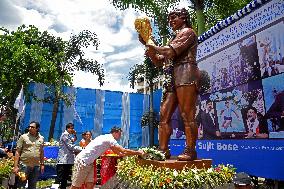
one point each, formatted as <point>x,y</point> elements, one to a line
<point>187,97</point>
<point>168,106</point>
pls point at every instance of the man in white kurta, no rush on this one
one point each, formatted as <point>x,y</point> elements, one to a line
<point>83,168</point>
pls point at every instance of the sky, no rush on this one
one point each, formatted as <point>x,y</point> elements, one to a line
<point>119,47</point>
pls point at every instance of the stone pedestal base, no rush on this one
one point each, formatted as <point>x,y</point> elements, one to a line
<point>175,164</point>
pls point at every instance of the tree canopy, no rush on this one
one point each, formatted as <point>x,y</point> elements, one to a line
<point>24,58</point>
<point>203,13</point>
<point>29,55</point>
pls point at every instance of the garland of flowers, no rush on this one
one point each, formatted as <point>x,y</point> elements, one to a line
<point>148,177</point>
<point>153,154</point>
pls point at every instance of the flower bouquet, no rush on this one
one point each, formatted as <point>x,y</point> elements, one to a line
<point>153,154</point>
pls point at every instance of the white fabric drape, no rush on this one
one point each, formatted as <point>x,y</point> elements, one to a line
<point>99,112</point>
<point>69,111</point>
<point>145,129</point>
<point>125,120</point>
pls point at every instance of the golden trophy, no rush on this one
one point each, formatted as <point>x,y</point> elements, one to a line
<point>143,27</point>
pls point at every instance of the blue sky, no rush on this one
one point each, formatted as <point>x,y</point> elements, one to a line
<point>119,48</point>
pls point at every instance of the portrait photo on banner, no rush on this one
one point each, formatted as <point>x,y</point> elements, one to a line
<point>270,45</point>
<point>238,112</point>
<point>273,89</point>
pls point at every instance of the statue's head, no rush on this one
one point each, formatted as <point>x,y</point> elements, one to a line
<point>181,13</point>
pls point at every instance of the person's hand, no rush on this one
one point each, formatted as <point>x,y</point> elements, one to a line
<point>218,134</point>
<point>249,135</point>
<point>141,40</point>
<point>142,153</point>
<point>150,51</point>
<point>16,169</point>
<point>42,168</point>
<point>74,132</point>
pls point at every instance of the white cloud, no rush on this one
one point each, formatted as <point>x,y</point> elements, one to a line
<point>119,47</point>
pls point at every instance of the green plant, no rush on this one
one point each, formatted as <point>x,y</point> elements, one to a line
<point>45,183</point>
<point>6,129</point>
<point>149,177</point>
<point>6,167</point>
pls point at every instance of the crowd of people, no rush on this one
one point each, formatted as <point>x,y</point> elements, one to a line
<point>76,160</point>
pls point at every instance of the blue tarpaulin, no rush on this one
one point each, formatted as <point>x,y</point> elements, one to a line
<point>93,110</point>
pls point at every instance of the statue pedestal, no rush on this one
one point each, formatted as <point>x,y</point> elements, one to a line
<point>175,164</point>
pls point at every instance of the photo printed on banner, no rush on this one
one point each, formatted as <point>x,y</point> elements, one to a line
<point>233,66</point>
<point>235,113</point>
<point>273,89</point>
<point>270,45</point>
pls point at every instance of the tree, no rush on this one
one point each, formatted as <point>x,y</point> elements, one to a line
<point>148,72</point>
<point>23,59</point>
<point>73,59</point>
<point>204,13</point>
<point>30,55</point>
<point>6,128</point>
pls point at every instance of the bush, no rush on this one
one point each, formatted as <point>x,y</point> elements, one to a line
<point>6,167</point>
<point>149,177</point>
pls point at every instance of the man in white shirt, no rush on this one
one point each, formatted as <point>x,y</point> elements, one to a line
<point>83,168</point>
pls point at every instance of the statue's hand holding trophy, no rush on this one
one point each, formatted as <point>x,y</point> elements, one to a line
<point>143,27</point>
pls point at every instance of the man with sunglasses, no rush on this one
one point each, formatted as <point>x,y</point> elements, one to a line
<point>30,153</point>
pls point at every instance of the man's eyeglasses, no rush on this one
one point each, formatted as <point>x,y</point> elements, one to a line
<point>32,127</point>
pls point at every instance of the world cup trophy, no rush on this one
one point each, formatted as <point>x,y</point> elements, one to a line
<point>143,27</point>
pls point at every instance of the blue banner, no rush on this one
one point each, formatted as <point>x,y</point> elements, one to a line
<point>257,157</point>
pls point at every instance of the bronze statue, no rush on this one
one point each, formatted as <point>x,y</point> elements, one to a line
<point>178,59</point>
